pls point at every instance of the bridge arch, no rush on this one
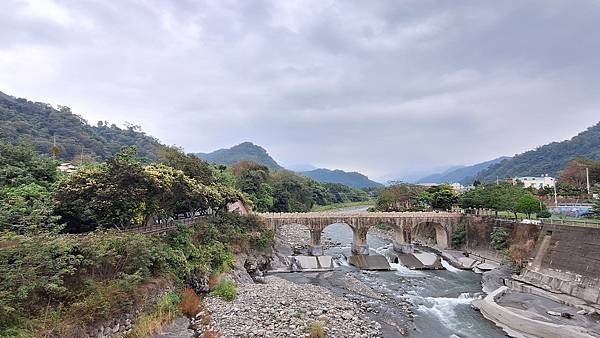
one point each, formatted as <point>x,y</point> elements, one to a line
<point>407,226</point>
<point>431,232</point>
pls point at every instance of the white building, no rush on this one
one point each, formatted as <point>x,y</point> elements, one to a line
<point>536,182</point>
<point>67,167</point>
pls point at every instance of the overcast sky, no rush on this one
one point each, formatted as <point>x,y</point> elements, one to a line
<point>389,88</point>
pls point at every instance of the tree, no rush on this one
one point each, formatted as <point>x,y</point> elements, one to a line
<point>123,192</point>
<point>458,236</point>
<point>291,192</point>
<point>27,209</point>
<point>26,181</point>
<point>499,238</point>
<point>106,195</point>
<point>443,197</point>
<point>19,164</point>
<point>190,164</point>
<point>254,180</point>
<point>528,204</point>
<point>398,197</point>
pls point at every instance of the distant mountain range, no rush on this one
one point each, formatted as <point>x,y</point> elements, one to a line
<point>247,151</point>
<point>353,179</point>
<point>459,173</point>
<point>548,159</point>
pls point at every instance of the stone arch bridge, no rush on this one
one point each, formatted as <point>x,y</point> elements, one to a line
<point>406,225</point>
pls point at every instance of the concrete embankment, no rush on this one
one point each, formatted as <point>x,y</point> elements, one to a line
<point>520,315</point>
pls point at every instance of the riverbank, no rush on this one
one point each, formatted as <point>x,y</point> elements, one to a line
<point>280,308</point>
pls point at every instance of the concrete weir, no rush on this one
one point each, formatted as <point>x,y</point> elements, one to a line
<point>311,263</point>
<point>369,262</point>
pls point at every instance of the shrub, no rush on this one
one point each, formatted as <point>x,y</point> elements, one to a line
<point>383,226</point>
<point>458,237</point>
<point>316,329</point>
<point>190,303</point>
<point>166,309</point>
<point>225,289</point>
<point>544,214</point>
<point>519,253</point>
<point>210,334</point>
<point>498,238</point>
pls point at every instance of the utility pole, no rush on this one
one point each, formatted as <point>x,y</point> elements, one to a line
<point>54,147</point>
<point>81,158</point>
<point>555,197</point>
<point>587,178</point>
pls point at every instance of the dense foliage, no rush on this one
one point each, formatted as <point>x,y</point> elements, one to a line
<point>409,197</point>
<point>284,191</point>
<point>547,159</point>
<point>38,124</point>
<point>499,238</point>
<point>352,179</point>
<point>573,178</point>
<point>91,277</point>
<point>123,192</point>
<point>502,197</point>
<point>26,183</point>
<point>458,236</point>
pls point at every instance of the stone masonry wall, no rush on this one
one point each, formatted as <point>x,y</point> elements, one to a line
<point>478,230</point>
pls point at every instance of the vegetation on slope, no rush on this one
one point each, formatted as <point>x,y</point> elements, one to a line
<point>284,191</point>
<point>352,179</point>
<point>246,151</point>
<point>548,159</point>
<point>39,124</point>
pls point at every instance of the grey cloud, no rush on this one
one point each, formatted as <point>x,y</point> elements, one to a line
<point>387,87</point>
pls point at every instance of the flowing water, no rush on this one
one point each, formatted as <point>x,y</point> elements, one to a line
<point>441,298</point>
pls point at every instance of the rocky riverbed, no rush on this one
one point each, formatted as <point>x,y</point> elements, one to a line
<point>280,308</point>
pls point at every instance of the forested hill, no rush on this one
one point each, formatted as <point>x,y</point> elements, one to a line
<point>352,179</point>
<point>460,174</point>
<point>246,151</point>
<point>38,123</point>
<point>547,159</point>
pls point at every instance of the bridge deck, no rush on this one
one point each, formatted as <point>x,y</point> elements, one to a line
<point>361,214</point>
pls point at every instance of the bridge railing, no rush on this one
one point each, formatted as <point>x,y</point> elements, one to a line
<point>571,222</point>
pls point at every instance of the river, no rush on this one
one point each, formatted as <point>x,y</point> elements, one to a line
<point>439,300</point>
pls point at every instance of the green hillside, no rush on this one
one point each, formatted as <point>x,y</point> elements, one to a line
<point>39,123</point>
<point>246,151</point>
<point>352,179</point>
<point>548,159</point>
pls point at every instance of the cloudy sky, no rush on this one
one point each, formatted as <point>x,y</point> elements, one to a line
<point>389,88</point>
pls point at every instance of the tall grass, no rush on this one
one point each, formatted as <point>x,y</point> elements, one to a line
<point>166,310</point>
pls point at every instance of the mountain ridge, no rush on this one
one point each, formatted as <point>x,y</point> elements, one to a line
<point>245,151</point>
<point>459,173</point>
<point>353,179</point>
<point>548,159</point>
<point>40,124</point>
